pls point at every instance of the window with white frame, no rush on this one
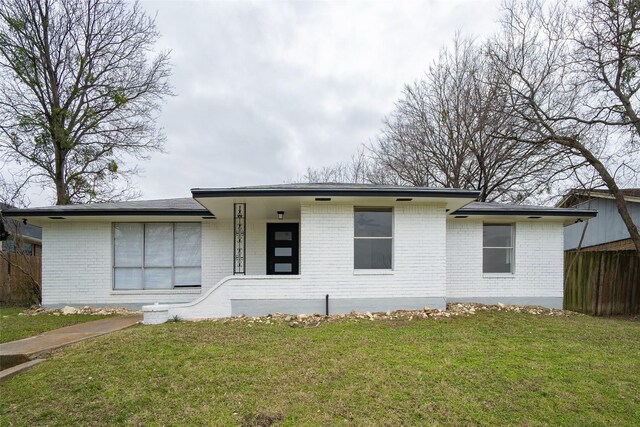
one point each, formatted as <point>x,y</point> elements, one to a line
<point>497,251</point>
<point>373,238</point>
<point>156,255</point>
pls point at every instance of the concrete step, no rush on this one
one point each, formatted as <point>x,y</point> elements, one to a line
<point>10,372</point>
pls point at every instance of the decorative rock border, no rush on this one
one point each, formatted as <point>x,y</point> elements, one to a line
<point>453,310</point>
<point>313,320</point>
<point>68,310</point>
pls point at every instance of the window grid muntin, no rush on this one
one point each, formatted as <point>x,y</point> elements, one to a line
<point>143,266</point>
<point>512,258</point>
<point>357,209</point>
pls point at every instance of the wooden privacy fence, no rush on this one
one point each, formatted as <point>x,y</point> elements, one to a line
<point>17,275</point>
<point>602,283</point>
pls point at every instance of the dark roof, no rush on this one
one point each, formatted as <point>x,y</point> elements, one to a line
<point>333,189</point>
<point>183,206</point>
<point>190,207</point>
<point>26,230</point>
<point>491,208</point>
<point>579,195</point>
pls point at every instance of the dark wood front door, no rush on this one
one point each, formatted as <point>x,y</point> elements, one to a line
<point>282,248</point>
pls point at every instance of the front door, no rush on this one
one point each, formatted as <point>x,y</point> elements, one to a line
<point>282,248</point>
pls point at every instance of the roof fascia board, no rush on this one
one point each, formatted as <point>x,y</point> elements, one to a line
<point>275,192</point>
<point>611,197</point>
<point>595,195</point>
<point>27,239</point>
<point>20,213</point>
<point>519,212</point>
<point>564,201</point>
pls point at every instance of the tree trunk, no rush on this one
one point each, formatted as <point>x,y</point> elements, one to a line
<point>62,197</point>
<point>621,204</point>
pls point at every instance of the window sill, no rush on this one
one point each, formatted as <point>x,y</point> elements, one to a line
<point>498,275</point>
<point>373,272</point>
<point>193,291</point>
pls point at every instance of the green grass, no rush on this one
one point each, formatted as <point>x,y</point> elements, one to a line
<point>492,368</point>
<point>14,327</point>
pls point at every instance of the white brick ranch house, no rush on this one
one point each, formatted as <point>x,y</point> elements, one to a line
<point>301,248</point>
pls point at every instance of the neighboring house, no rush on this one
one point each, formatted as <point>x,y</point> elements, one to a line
<point>301,248</point>
<point>606,232</point>
<point>16,237</point>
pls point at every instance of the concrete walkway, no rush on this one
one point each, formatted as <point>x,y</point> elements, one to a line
<point>19,352</point>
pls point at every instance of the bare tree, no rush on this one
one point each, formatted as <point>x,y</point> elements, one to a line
<point>13,191</point>
<point>442,133</point>
<point>570,77</point>
<point>80,91</point>
<point>356,170</point>
<point>608,53</point>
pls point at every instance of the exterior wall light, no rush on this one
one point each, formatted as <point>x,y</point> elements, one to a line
<point>281,215</point>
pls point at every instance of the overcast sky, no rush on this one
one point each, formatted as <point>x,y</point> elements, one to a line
<point>266,89</point>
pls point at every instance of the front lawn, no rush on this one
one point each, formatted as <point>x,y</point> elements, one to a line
<point>14,327</point>
<point>490,368</point>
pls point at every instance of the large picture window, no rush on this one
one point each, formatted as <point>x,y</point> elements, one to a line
<point>497,252</point>
<point>373,238</point>
<point>156,255</point>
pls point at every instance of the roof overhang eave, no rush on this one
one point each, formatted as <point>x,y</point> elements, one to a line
<point>543,213</point>
<point>566,217</point>
<point>567,200</point>
<point>28,213</point>
<point>310,192</point>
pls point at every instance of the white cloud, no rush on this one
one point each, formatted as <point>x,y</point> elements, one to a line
<point>266,89</point>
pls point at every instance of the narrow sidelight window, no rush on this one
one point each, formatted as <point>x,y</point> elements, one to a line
<point>497,252</point>
<point>373,238</point>
<point>156,255</point>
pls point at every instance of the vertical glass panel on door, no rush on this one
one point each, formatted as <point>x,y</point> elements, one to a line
<point>158,245</point>
<point>283,235</point>
<point>283,252</point>
<point>128,245</point>
<point>283,267</point>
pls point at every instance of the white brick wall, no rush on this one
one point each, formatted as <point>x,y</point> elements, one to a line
<point>77,261</point>
<point>538,262</point>
<point>77,268</point>
<point>326,261</point>
<point>217,250</point>
<point>326,257</point>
